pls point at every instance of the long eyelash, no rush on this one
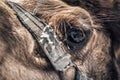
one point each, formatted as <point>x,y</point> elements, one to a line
<point>69,25</point>
<point>62,28</point>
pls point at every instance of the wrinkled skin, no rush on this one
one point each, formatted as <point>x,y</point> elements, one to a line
<point>88,43</point>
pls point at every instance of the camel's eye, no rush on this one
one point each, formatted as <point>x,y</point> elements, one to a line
<point>75,35</point>
<point>76,38</point>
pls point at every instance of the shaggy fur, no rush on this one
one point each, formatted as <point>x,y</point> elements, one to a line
<point>21,59</point>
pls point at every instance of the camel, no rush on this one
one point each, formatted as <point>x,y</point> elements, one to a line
<point>89,43</point>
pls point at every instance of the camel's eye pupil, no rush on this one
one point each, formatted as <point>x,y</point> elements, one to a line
<point>75,35</point>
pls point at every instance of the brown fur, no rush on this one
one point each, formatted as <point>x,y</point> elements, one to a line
<point>107,12</point>
<point>19,56</point>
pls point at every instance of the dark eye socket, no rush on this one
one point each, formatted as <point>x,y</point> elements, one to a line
<point>75,35</point>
